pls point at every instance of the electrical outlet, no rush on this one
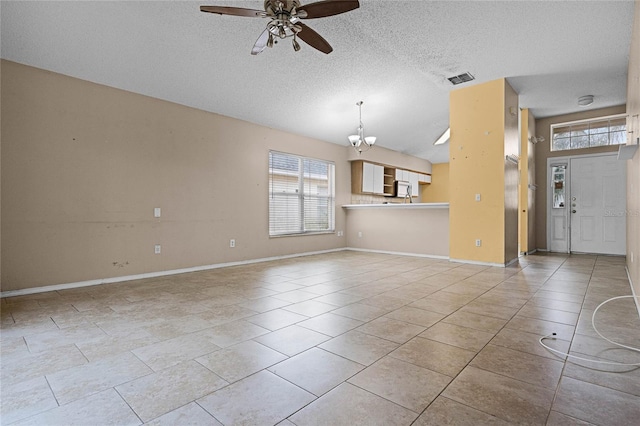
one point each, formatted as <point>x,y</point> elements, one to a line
<point>477,197</point>
<point>232,243</point>
<point>359,234</point>
<point>157,249</point>
<point>156,212</point>
<point>478,243</point>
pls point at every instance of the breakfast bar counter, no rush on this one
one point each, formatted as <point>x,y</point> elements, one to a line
<point>420,229</point>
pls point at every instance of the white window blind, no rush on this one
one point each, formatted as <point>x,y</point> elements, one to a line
<point>601,131</point>
<point>301,195</point>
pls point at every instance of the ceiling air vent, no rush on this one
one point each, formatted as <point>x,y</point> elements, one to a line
<point>462,78</point>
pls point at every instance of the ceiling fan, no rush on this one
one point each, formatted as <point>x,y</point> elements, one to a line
<point>285,20</point>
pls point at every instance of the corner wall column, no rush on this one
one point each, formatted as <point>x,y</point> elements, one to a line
<point>484,131</point>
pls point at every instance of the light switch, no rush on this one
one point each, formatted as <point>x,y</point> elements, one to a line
<point>156,212</point>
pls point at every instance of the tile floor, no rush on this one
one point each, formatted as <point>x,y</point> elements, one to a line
<point>345,338</point>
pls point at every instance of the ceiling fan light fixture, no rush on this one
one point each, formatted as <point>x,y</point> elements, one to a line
<point>285,20</point>
<point>586,100</point>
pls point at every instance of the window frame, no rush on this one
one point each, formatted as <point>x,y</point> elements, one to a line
<point>586,123</point>
<point>301,196</point>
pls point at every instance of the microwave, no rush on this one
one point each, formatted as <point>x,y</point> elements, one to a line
<point>402,188</point>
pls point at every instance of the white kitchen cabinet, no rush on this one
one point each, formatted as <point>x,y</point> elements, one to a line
<point>378,179</point>
<point>402,175</point>
<point>413,181</point>
<point>368,178</point>
<point>424,178</point>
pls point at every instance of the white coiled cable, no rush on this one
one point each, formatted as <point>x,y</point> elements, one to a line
<point>593,323</point>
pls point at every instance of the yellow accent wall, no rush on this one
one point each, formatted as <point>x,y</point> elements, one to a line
<point>526,192</point>
<point>484,128</point>
<point>438,190</point>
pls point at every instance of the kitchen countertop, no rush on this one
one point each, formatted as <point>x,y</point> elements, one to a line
<point>398,206</point>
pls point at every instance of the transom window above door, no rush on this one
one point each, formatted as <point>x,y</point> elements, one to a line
<point>602,131</point>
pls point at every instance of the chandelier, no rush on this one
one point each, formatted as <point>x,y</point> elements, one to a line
<point>359,142</point>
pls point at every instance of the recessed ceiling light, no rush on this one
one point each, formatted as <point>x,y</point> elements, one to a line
<point>585,100</point>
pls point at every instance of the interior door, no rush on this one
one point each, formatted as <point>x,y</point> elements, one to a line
<point>598,205</point>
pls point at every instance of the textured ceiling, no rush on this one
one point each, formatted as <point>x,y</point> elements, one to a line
<point>393,55</point>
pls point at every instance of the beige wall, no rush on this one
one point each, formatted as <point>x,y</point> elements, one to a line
<point>633,166</point>
<point>84,165</point>
<point>543,152</point>
<point>401,230</point>
<point>438,190</point>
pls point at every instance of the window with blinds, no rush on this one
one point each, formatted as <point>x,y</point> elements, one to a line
<point>301,195</point>
<point>601,131</point>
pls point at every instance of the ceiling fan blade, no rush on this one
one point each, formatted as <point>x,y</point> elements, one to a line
<point>314,39</point>
<point>327,8</point>
<point>261,43</point>
<point>236,11</point>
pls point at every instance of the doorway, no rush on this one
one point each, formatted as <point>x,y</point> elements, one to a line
<point>586,204</point>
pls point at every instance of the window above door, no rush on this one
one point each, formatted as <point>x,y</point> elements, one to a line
<point>584,134</point>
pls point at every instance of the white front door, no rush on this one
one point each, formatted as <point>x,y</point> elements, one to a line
<point>597,205</point>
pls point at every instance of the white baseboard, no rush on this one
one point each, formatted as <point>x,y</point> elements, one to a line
<point>476,262</point>
<point>526,253</point>
<point>66,286</point>
<point>633,292</point>
<point>400,253</point>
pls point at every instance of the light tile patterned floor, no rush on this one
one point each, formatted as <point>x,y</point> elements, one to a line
<point>344,338</point>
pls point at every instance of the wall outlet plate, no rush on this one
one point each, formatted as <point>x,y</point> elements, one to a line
<point>232,243</point>
<point>157,249</point>
<point>478,243</point>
